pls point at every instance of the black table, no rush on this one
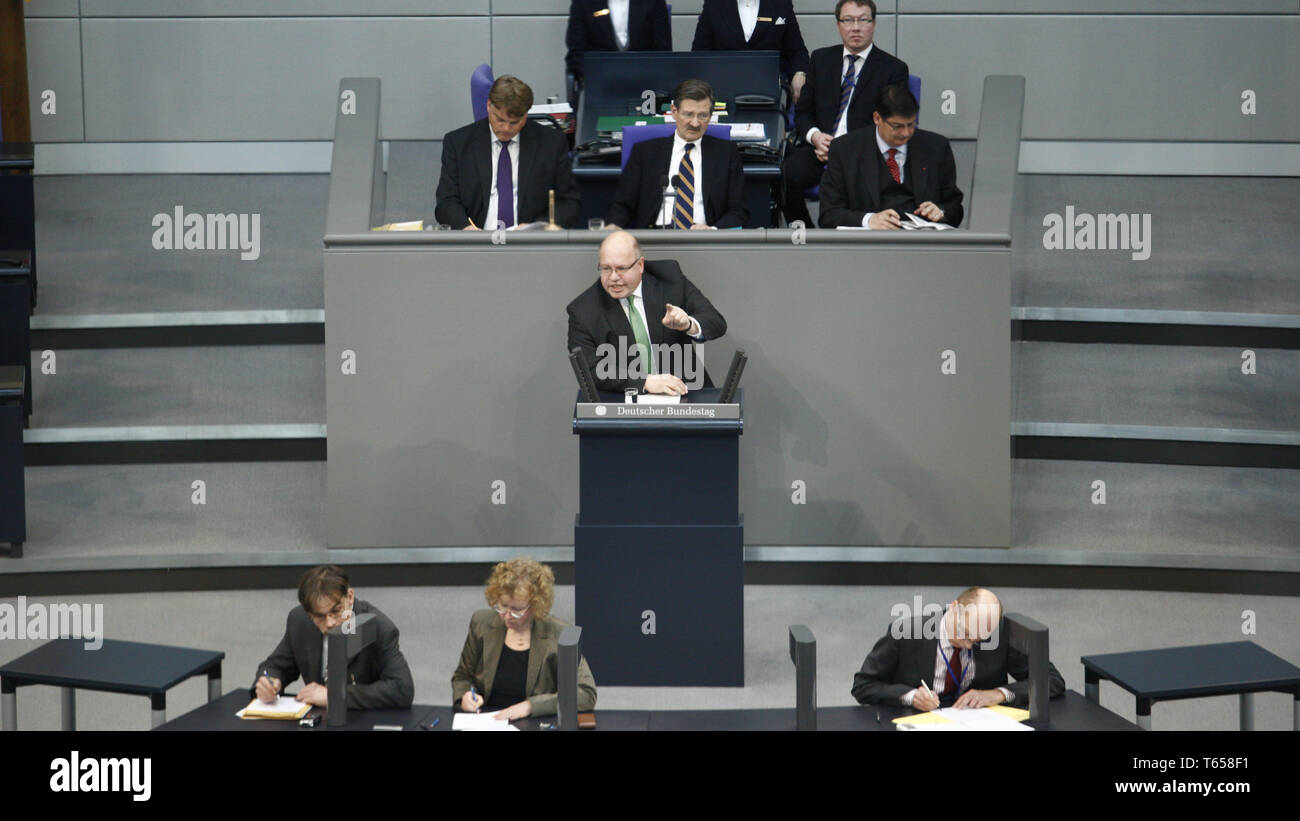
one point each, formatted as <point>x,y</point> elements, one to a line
<point>220,715</point>
<point>116,667</point>
<point>1072,712</point>
<point>1240,667</point>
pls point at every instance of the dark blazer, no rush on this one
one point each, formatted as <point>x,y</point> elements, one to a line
<point>463,187</point>
<point>596,318</point>
<point>851,184</point>
<point>896,666</point>
<point>647,29</point>
<point>639,196</point>
<point>482,653</point>
<point>719,29</point>
<point>820,100</point>
<point>378,677</point>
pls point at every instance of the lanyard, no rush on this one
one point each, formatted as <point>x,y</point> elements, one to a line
<point>948,662</point>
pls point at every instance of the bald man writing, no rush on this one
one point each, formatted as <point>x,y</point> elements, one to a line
<point>638,325</point>
<point>958,662</point>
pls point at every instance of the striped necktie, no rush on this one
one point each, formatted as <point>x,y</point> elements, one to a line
<point>684,202</point>
<point>846,92</point>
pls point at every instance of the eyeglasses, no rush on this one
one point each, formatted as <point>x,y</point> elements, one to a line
<point>856,21</point>
<point>514,614</point>
<point>606,270</point>
<point>908,126</point>
<point>702,117</point>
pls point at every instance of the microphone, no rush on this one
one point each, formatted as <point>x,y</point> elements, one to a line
<point>669,198</point>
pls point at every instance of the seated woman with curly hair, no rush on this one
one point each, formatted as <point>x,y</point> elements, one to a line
<point>509,660</point>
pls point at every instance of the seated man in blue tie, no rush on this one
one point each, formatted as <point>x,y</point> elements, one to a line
<point>704,173</point>
<point>949,661</point>
<point>875,175</point>
<point>497,172</point>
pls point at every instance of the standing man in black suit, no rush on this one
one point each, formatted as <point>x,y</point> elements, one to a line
<point>615,25</point>
<point>484,185</point>
<point>875,174</point>
<point>378,678</point>
<point>705,173</point>
<point>843,84</point>
<point>933,665</point>
<point>638,324</point>
<point>755,25</point>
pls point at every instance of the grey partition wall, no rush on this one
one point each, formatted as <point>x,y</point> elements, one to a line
<point>877,392</point>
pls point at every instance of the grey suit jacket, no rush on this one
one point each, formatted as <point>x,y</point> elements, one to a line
<point>378,678</point>
<point>482,653</point>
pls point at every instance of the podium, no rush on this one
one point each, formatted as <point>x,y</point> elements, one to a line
<point>659,542</point>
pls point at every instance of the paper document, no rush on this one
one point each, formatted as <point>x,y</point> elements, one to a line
<point>551,108</point>
<point>284,708</point>
<point>911,222</point>
<point>657,399</point>
<point>482,722</point>
<point>997,718</point>
<point>748,131</point>
<point>413,225</point>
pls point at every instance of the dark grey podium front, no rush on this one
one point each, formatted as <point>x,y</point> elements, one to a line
<point>659,542</point>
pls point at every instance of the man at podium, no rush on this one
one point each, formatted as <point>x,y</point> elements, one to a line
<point>639,323</point>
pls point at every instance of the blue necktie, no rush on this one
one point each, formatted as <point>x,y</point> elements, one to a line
<point>846,92</point>
<point>505,188</point>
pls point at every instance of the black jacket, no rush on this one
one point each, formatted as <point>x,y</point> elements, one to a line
<point>820,100</point>
<point>647,29</point>
<point>639,196</point>
<point>463,187</point>
<point>719,29</point>
<point>378,678</point>
<point>852,183</point>
<point>596,318</point>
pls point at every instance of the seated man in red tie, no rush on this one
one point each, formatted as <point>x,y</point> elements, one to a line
<point>957,660</point>
<point>875,175</point>
<point>497,172</point>
<point>704,173</point>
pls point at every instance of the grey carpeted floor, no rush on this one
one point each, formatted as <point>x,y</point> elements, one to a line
<point>845,620</point>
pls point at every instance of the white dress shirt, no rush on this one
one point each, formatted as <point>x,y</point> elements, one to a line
<point>940,678</point>
<point>674,167</point>
<point>748,17</point>
<point>843,127</point>
<point>900,158</point>
<point>514,181</point>
<point>618,19</point>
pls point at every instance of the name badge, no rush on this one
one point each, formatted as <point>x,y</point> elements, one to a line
<point>600,13</point>
<point>765,19</point>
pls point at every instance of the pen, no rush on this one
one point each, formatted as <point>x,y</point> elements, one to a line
<point>435,723</point>
<point>471,225</point>
<point>473,695</point>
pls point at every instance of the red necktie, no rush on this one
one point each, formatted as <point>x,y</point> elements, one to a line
<point>892,165</point>
<point>954,667</point>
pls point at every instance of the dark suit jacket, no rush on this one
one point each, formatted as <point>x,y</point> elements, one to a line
<point>482,653</point>
<point>851,184</point>
<point>647,29</point>
<point>463,188</point>
<point>378,677</point>
<point>596,318</point>
<point>896,666</point>
<point>719,29</point>
<point>820,100</point>
<point>639,196</point>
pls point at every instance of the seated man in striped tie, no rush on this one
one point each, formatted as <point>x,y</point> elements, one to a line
<point>876,175</point>
<point>954,658</point>
<point>638,325</point>
<point>704,174</point>
<point>843,83</point>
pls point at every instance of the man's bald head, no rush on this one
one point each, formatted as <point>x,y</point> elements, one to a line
<point>977,613</point>
<point>621,265</point>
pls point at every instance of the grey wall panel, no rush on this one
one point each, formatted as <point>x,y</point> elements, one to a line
<point>549,7</point>
<point>54,64</point>
<point>532,48</point>
<point>1101,6</point>
<point>1114,78</point>
<point>892,452</point>
<point>279,8</point>
<point>273,79</point>
<point>50,8</point>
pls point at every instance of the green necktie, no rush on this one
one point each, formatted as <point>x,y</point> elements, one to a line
<point>642,338</point>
